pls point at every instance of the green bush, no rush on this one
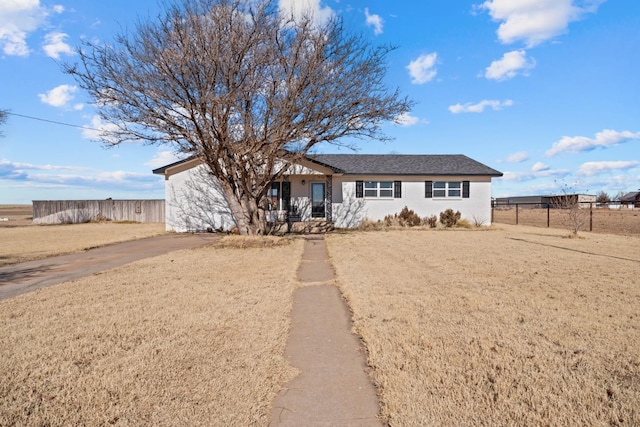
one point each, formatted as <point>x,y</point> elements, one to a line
<point>448,218</point>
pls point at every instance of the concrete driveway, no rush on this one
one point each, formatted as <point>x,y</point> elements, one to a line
<point>17,279</point>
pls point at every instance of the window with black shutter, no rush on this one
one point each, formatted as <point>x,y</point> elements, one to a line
<point>273,196</point>
<point>446,189</point>
<point>286,195</point>
<point>378,189</point>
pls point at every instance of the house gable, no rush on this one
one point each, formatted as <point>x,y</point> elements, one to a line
<point>177,167</point>
<point>304,166</point>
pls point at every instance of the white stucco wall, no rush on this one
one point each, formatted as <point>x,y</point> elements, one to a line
<point>349,211</point>
<point>194,202</point>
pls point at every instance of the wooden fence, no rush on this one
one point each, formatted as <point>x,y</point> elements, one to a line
<point>79,211</point>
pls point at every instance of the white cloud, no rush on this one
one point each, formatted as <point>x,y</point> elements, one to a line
<point>98,130</point>
<point>374,21</point>
<point>480,106</point>
<point>59,96</point>
<point>298,8</point>
<point>54,45</point>
<point>512,176</point>
<point>604,139</point>
<point>509,66</point>
<point>19,18</point>
<point>162,158</point>
<point>422,69</point>
<point>406,119</point>
<point>545,172</point>
<point>540,167</point>
<point>19,166</point>
<point>518,157</point>
<point>594,168</point>
<point>536,21</point>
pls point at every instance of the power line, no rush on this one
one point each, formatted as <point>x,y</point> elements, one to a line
<point>51,121</point>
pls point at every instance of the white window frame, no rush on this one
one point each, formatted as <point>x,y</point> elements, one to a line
<point>374,189</point>
<point>446,189</point>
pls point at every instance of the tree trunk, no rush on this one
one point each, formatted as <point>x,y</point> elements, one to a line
<point>247,213</point>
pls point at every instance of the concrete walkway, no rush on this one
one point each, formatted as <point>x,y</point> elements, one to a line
<point>332,388</point>
<point>17,279</point>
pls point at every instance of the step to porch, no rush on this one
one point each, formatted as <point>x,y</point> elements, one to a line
<point>302,227</point>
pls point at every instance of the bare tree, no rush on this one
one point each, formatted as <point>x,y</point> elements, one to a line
<point>573,216</point>
<point>618,196</point>
<point>240,86</point>
<point>603,197</point>
<point>3,119</point>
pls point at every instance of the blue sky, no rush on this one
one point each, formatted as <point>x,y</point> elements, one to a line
<point>546,91</point>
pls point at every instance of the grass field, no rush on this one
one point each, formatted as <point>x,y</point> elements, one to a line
<point>611,221</point>
<point>189,338</point>
<point>20,244</point>
<point>21,240</point>
<point>15,215</point>
<point>516,326</point>
<point>511,325</point>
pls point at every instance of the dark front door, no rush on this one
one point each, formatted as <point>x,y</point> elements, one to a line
<point>317,200</point>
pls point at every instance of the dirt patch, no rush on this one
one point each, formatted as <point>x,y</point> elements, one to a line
<point>190,338</point>
<point>21,244</point>
<point>510,326</point>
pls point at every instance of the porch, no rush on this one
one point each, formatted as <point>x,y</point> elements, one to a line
<point>302,203</point>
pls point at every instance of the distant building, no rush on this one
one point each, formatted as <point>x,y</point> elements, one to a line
<point>631,199</point>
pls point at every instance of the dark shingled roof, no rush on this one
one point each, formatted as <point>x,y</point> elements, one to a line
<point>630,197</point>
<point>404,164</point>
<point>391,164</point>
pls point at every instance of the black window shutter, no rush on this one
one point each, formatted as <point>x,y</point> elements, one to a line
<point>359,189</point>
<point>465,189</point>
<point>428,189</point>
<point>397,189</point>
<point>286,195</point>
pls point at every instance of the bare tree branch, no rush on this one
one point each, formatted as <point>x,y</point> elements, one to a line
<point>3,119</point>
<point>240,86</point>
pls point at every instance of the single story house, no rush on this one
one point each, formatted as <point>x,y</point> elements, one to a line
<point>343,189</point>
<point>631,199</point>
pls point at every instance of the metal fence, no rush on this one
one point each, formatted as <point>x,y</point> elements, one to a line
<point>596,217</point>
<point>80,211</point>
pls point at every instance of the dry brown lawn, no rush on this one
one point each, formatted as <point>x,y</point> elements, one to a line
<point>189,338</point>
<point>27,243</point>
<point>611,221</point>
<point>502,327</point>
<point>15,215</point>
<point>512,325</point>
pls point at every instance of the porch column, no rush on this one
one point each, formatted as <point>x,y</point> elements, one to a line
<point>329,198</point>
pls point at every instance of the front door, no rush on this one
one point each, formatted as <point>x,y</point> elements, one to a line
<point>317,200</point>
